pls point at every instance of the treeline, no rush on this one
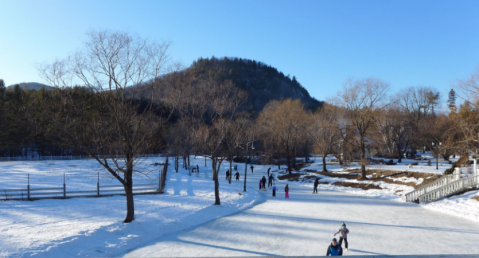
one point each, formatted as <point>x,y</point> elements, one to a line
<point>121,111</point>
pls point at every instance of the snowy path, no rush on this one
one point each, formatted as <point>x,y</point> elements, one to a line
<point>304,226</point>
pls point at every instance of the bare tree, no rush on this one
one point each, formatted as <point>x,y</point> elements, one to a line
<point>116,67</point>
<point>222,100</point>
<point>283,127</point>
<point>325,130</point>
<point>362,100</point>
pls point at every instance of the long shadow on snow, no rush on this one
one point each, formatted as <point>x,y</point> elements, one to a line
<point>260,200</point>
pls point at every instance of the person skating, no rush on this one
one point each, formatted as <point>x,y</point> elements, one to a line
<point>286,191</point>
<point>252,169</point>
<point>197,168</point>
<point>237,175</point>
<point>269,169</point>
<point>270,180</point>
<point>227,175</point>
<point>316,183</point>
<point>334,249</point>
<point>344,235</point>
<point>264,182</point>
<point>274,190</point>
<point>260,184</point>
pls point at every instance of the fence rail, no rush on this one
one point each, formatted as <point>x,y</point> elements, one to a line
<point>414,195</point>
<point>443,187</point>
<point>69,157</point>
<point>452,188</point>
<point>62,193</point>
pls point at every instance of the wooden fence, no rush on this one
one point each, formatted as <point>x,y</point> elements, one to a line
<point>29,193</point>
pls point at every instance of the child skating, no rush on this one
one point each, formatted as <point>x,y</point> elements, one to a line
<point>344,236</point>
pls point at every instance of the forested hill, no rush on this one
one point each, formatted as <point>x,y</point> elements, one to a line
<point>262,82</point>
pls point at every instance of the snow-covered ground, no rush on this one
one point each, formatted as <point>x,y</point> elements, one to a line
<point>92,227</point>
<point>304,226</point>
<point>183,222</point>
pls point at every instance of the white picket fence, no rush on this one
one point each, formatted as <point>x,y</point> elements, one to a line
<point>443,187</point>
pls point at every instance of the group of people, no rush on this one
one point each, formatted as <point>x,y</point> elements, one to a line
<point>335,248</point>
<point>262,182</point>
<point>228,174</point>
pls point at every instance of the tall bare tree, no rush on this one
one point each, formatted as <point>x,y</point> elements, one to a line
<point>363,99</point>
<point>325,130</point>
<point>117,67</point>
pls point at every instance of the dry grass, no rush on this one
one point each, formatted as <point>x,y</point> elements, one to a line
<point>358,185</point>
<point>386,176</point>
<point>290,177</point>
<point>476,198</point>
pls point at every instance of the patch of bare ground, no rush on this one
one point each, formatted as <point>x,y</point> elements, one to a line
<point>476,198</point>
<point>290,177</point>
<point>385,176</point>
<point>358,185</point>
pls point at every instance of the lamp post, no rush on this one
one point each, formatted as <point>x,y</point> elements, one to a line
<point>437,154</point>
<point>246,165</point>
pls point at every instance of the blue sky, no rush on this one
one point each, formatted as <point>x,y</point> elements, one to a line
<point>322,43</point>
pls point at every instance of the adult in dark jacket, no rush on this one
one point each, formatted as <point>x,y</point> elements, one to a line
<point>252,168</point>
<point>237,175</point>
<point>270,180</point>
<point>269,169</point>
<point>264,182</point>
<point>334,249</point>
<point>227,175</point>
<point>316,183</point>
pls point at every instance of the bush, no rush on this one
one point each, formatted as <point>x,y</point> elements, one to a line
<point>390,162</point>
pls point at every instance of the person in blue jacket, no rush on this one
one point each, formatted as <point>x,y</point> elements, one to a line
<point>334,249</point>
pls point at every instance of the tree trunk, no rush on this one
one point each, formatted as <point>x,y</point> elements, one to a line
<point>399,153</point>
<point>363,158</point>
<point>324,163</point>
<point>216,179</point>
<point>231,169</point>
<point>289,164</point>
<point>163,176</point>
<point>128,185</point>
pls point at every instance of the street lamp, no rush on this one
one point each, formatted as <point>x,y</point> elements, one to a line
<point>437,154</point>
<point>246,165</point>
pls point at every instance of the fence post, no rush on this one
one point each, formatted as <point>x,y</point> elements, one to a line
<point>98,185</point>
<point>28,187</point>
<point>64,187</point>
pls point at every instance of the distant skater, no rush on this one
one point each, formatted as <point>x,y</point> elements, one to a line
<point>260,184</point>
<point>237,175</point>
<point>252,169</point>
<point>227,175</point>
<point>334,249</point>
<point>274,190</point>
<point>263,180</point>
<point>286,191</point>
<point>197,168</point>
<point>270,180</point>
<point>344,235</point>
<point>316,183</point>
<point>269,169</point>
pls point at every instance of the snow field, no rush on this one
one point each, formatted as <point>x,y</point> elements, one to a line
<point>92,227</point>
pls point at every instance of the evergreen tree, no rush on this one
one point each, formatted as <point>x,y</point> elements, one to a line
<point>451,102</point>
